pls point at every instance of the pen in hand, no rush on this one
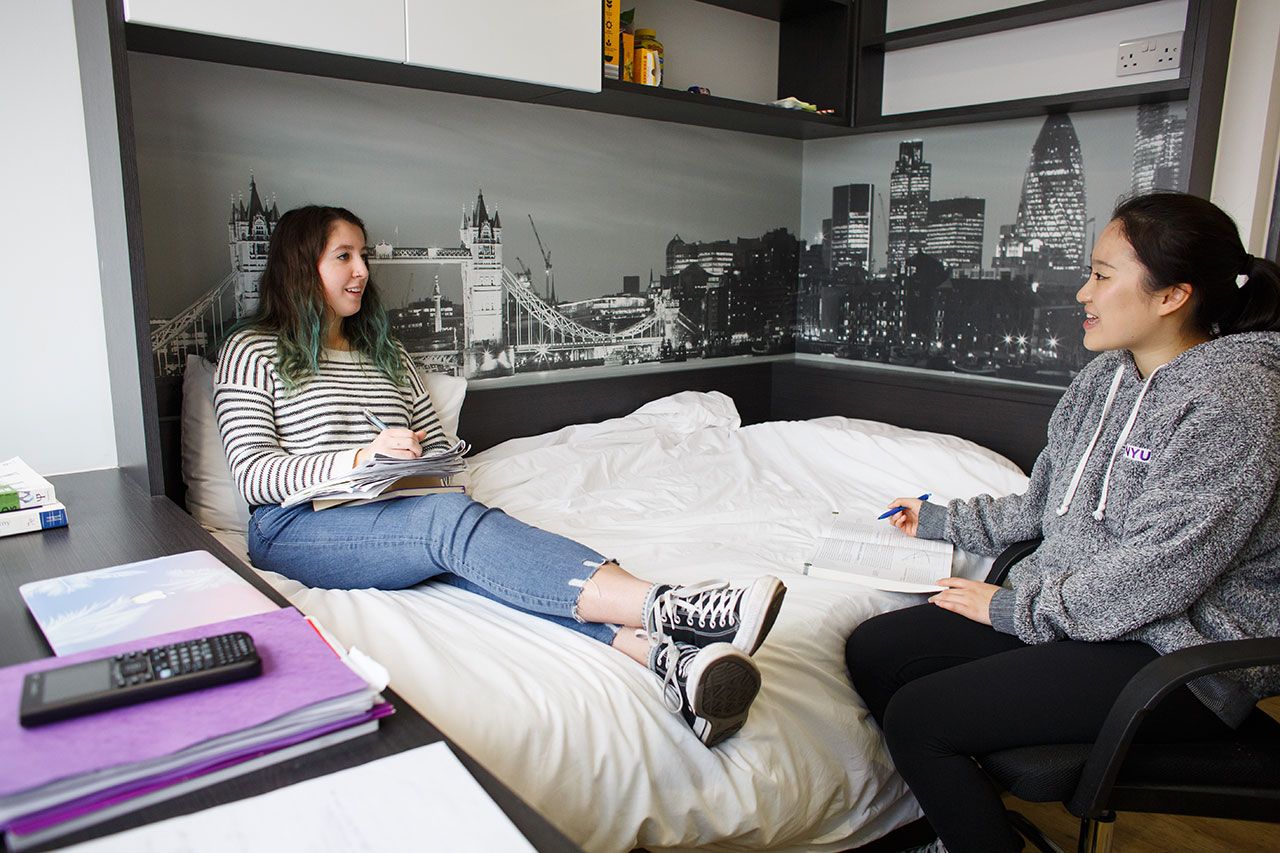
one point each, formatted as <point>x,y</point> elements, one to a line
<point>898,509</point>
<point>375,420</point>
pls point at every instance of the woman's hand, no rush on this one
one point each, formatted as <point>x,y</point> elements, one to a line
<point>971,599</point>
<point>908,521</point>
<point>397,442</point>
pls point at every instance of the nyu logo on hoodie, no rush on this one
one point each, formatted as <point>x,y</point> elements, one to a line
<point>1136,453</point>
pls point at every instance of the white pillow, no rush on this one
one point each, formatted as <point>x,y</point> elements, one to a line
<point>212,496</point>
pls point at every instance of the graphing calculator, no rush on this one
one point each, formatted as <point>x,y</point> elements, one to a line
<point>96,685</point>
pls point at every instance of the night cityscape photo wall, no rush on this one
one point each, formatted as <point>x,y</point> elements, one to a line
<point>969,261</point>
<point>514,240</point>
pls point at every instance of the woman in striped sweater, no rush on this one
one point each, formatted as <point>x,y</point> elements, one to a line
<point>292,385</point>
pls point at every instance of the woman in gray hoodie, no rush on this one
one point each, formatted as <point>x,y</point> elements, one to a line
<point>1156,497</point>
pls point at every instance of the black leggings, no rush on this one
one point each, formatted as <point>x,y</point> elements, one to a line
<point>945,688</point>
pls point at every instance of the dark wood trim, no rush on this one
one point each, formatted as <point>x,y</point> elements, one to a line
<point>773,10</point>
<point>1272,249</point>
<point>1207,40</point>
<point>1008,418</point>
<point>154,476</point>
<point>998,21</point>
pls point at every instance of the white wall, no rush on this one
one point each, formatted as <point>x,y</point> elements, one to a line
<point>1054,58</point>
<point>56,411</point>
<point>1244,173</point>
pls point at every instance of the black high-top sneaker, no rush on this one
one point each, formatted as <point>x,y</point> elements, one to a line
<point>712,687</point>
<point>714,612</point>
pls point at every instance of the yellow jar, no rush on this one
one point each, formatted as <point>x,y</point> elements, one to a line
<point>647,62</point>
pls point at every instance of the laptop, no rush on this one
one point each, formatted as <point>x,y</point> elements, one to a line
<point>138,600</point>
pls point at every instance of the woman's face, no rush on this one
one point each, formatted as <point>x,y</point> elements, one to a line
<point>342,268</point>
<point>1120,313</point>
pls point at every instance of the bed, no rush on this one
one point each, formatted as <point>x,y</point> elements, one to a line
<point>677,491</point>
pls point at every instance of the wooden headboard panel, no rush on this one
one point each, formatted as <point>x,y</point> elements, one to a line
<point>1009,419</point>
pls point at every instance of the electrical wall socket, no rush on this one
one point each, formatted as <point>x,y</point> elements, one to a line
<point>1153,53</point>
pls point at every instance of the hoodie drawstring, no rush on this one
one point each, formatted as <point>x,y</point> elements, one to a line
<point>1101,509</point>
<point>1084,459</point>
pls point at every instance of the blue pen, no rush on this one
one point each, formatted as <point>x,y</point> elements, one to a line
<point>898,509</point>
<point>375,420</point>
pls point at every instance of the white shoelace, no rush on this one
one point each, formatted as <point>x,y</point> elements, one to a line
<point>716,606</point>
<point>670,684</point>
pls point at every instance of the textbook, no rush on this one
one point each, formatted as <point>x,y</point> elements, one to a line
<point>22,488</point>
<point>38,518</point>
<point>384,473</point>
<point>879,556</point>
<point>136,600</point>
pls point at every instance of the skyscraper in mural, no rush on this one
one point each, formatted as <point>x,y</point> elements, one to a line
<point>956,227</point>
<point>851,225</point>
<point>1157,148</point>
<point>910,186</point>
<point>1051,212</point>
<point>248,235</point>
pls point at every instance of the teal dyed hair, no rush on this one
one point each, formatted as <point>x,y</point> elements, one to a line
<point>291,300</point>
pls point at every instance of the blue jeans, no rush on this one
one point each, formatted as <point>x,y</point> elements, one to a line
<point>398,543</point>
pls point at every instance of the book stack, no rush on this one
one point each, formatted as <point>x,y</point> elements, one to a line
<point>64,776</point>
<point>27,500</point>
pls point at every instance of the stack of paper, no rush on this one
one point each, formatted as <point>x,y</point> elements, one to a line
<point>378,475</point>
<point>58,778</point>
<point>27,500</point>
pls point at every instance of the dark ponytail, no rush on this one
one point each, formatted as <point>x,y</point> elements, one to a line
<point>1182,238</point>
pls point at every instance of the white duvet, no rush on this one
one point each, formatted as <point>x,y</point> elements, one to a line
<point>676,491</point>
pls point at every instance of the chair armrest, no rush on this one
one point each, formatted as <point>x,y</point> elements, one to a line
<point>1145,690</point>
<point>1009,556</point>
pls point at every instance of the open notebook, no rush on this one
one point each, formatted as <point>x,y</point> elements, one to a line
<point>880,556</point>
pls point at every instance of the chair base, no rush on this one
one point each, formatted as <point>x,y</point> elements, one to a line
<point>1095,835</point>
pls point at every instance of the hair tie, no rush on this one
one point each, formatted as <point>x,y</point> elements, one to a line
<point>1246,267</point>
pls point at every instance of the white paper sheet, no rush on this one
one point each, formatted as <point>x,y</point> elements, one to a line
<point>419,799</point>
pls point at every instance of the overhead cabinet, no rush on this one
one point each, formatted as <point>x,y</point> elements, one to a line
<point>373,28</point>
<point>552,44</point>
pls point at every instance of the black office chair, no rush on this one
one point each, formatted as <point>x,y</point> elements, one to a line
<point>1237,778</point>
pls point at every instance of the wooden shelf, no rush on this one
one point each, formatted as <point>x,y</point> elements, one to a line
<point>617,98</point>
<point>651,102</point>
<point>773,10</point>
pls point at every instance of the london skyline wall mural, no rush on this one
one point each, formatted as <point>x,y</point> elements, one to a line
<point>507,239</point>
<point>961,249</point>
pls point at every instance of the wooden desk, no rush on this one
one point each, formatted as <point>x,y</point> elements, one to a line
<point>113,521</point>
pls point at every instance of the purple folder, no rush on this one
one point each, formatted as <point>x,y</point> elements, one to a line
<point>122,793</point>
<point>298,670</point>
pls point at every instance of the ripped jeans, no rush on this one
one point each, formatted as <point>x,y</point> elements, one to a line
<point>448,537</point>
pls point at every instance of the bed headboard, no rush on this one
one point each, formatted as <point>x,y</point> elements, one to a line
<point>1009,418</point>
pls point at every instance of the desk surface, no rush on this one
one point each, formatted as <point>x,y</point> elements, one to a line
<point>113,521</point>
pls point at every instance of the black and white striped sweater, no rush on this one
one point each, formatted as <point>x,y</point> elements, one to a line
<point>280,441</point>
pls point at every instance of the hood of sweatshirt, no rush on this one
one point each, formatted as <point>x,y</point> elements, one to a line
<point>1247,359</point>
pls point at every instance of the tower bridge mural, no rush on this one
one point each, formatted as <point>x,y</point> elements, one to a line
<point>504,326</point>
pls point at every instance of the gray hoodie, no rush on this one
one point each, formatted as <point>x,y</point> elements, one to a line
<point>1159,509</point>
